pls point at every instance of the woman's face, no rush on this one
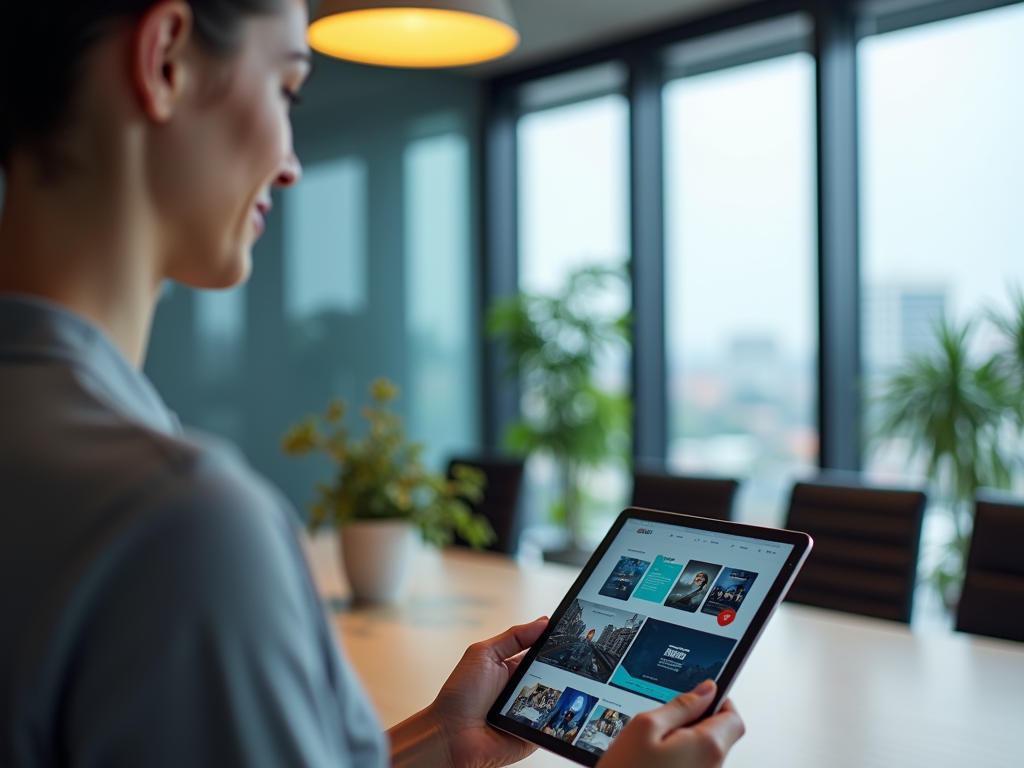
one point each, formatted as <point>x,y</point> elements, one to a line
<point>231,141</point>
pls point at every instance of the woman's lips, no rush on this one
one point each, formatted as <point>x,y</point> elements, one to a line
<point>259,213</point>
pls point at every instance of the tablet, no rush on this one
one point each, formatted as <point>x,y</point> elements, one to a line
<point>666,602</point>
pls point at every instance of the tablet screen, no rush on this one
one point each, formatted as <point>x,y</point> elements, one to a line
<point>664,609</point>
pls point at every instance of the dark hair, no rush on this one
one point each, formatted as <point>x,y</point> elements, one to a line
<point>43,43</point>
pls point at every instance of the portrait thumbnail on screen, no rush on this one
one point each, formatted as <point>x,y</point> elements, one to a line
<point>693,586</point>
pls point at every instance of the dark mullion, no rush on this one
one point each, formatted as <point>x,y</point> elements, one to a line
<point>650,400</point>
<point>500,271</point>
<point>839,402</point>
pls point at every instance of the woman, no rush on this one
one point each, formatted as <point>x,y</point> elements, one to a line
<point>156,607</point>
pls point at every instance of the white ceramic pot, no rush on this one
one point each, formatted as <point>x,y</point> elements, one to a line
<point>378,557</point>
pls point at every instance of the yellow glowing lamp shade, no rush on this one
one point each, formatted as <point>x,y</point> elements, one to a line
<point>413,33</point>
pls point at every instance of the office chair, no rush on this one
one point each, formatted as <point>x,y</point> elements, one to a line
<point>700,496</point>
<point>992,602</point>
<point>866,543</point>
<point>501,499</point>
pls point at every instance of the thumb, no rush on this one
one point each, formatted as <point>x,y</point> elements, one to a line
<point>682,710</point>
<point>512,641</point>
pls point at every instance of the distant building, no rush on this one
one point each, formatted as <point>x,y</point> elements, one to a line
<point>615,641</point>
<point>572,626</point>
<point>899,321</point>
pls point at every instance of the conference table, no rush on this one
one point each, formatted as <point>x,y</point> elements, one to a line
<point>821,689</point>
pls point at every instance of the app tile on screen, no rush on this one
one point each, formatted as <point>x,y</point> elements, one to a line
<point>590,639</point>
<point>667,660</point>
<point>624,578</point>
<point>569,715</point>
<point>602,729</point>
<point>533,704</point>
<point>729,591</point>
<point>693,586</point>
<point>659,580</point>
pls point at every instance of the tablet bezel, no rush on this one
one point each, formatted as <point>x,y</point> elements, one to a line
<point>801,544</point>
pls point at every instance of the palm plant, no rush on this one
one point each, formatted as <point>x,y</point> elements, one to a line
<point>954,414</point>
<point>554,343</point>
<point>1010,358</point>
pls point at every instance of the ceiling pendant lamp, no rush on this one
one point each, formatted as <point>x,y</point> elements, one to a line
<point>413,33</point>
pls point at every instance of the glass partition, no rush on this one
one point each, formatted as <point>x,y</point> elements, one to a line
<point>439,318</point>
<point>741,295</point>
<point>573,202</point>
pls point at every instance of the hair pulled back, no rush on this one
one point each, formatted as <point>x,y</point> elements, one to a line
<point>43,44</point>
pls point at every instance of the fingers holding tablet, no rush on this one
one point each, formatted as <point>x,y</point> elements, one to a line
<point>667,737</point>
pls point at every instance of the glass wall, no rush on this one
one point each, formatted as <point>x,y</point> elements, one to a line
<point>942,181</point>
<point>573,203</point>
<point>326,240</point>
<point>942,230</point>
<point>366,269</point>
<point>740,284</point>
<point>443,405</point>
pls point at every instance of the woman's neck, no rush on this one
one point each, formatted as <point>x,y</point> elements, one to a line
<point>82,241</point>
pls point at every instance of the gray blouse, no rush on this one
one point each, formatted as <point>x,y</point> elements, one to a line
<point>155,606</point>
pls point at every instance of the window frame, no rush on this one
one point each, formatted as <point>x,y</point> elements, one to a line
<point>838,26</point>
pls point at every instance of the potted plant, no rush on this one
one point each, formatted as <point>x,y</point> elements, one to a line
<point>960,415</point>
<point>554,344</point>
<point>382,498</point>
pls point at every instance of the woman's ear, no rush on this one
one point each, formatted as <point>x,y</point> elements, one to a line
<point>158,47</point>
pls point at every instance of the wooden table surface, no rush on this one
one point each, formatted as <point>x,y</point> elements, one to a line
<point>821,689</point>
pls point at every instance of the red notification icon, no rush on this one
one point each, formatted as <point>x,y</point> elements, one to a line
<point>726,617</point>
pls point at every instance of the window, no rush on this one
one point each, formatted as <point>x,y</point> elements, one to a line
<point>573,198</point>
<point>220,332</point>
<point>325,237</point>
<point>942,183</point>
<point>442,396</point>
<point>740,283</point>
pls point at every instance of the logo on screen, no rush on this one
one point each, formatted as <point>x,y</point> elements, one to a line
<point>646,531</point>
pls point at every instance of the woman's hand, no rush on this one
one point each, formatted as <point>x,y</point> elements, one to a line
<point>659,737</point>
<point>453,732</point>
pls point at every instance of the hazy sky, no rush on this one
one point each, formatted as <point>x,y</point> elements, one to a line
<point>943,158</point>
<point>573,191</point>
<point>740,219</point>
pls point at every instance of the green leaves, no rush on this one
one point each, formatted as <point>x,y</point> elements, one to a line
<point>555,344</point>
<point>964,417</point>
<point>953,412</point>
<point>382,475</point>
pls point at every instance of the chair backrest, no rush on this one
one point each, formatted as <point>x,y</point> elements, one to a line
<point>700,496</point>
<point>992,602</point>
<point>501,499</point>
<point>866,544</point>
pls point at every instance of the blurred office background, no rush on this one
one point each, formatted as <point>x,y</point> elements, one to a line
<point>801,189</point>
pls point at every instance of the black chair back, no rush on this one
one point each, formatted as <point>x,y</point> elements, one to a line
<point>700,496</point>
<point>501,499</point>
<point>866,543</point>
<point>992,602</point>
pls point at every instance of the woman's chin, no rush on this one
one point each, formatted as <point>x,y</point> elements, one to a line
<point>230,274</point>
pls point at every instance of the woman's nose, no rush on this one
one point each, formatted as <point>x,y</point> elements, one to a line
<point>290,172</point>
